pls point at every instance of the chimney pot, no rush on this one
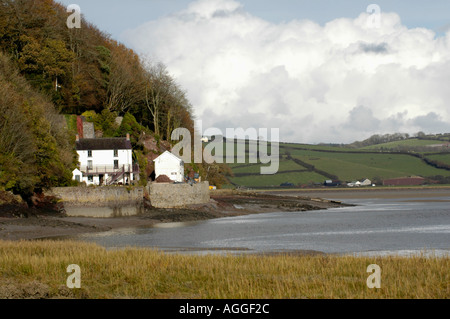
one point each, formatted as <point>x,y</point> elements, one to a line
<point>128,136</point>
<point>77,137</point>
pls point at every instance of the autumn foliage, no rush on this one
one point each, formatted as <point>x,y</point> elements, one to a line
<point>84,69</point>
<point>48,69</point>
<point>36,151</point>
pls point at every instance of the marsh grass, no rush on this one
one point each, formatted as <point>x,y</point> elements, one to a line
<point>146,273</point>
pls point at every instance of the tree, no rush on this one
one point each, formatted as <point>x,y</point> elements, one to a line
<point>125,82</point>
<point>421,135</point>
<point>166,101</point>
<point>215,173</point>
<point>36,151</point>
<point>157,88</point>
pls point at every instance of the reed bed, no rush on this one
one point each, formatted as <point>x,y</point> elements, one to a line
<point>148,273</point>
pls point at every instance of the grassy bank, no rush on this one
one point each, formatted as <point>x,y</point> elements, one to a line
<point>30,269</point>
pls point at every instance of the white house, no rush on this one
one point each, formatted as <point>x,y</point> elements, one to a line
<point>366,182</point>
<point>105,161</point>
<point>170,165</point>
<point>77,175</point>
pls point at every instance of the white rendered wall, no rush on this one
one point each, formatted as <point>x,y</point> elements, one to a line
<point>105,158</point>
<point>170,165</point>
<point>102,161</point>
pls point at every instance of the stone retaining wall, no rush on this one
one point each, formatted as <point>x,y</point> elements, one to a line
<point>177,195</point>
<point>99,196</point>
<point>110,201</point>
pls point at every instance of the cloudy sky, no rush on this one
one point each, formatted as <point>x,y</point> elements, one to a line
<point>320,71</point>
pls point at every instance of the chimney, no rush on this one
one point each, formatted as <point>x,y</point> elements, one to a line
<point>77,138</point>
<point>128,136</point>
<point>80,126</point>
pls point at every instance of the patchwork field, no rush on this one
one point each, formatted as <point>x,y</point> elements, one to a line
<point>278,179</point>
<point>358,166</point>
<point>404,143</point>
<point>443,158</point>
<point>302,164</point>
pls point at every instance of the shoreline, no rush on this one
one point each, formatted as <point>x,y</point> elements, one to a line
<point>224,203</point>
<point>40,225</point>
<point>367,192</point>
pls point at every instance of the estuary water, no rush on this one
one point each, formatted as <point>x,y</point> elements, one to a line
<point>376,226</point>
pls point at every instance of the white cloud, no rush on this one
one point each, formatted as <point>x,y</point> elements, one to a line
<point>340,82</point>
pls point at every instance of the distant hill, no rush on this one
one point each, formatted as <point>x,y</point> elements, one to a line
<point>306,165</point>
<point>400,140</point>
<point>409,144</point>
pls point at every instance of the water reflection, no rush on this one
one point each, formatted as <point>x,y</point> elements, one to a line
<point>175,225</point>
<point>374,226</point>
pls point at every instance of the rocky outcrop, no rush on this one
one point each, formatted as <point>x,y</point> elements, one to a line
<point>12,205</point>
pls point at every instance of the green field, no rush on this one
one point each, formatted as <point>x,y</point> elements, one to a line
<point>288,172</point>
<point>284,165</point>
<point>404,143</point>
<point>358,166</point>
<point>443,158</point>
<point>302,164</point>
<point>279,178</point>
<point>293,146</point>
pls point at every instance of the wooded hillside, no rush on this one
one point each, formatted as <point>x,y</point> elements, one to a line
<point>92,71</point>
<point>48,70</point>
<point>36,149</point>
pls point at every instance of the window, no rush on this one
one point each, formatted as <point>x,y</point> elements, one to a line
<point>90,178</point>
<point>89,153</point>
<point>78,178</point>
<point>90,165</point>
<point>116,164</point>
<point>116,153</point>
